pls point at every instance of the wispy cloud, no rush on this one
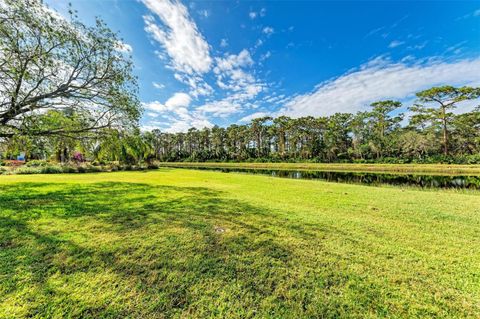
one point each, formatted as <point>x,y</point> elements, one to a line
<point>204,13</point>
<point>158,85</point>
<point>381,79</point>
<point>254,14</point>
<point>268,30</point>
<point>395,43</point>
<point>221,108</point>
<point>177,116</point>
<point>231,75</point>
<point>473,14</point>
<point>265,56</point>
<point>252,116</point>
<point>456,48</point>
<point>238,83</point>
<point>188,55</point>
<point>179,36</point>
<point>418,46</point>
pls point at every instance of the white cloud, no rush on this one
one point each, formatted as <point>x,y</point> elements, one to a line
<point>268,30</point>
<point>182,125</point>
<point>276,99</point>
<point>196,83</point>
<point>152,114</point>
<point>265,56</point>
<point>179,36</point>
<point>178,100</point>
<point>222,108</point>
<point>231,74</point>
<point>252,116</point>
<point>395,43</point>
<point>263,12</point>
<point>155,106</point>
<point>233,61</point>
<point>188,54</point>
<point>177,116</point>
<point>149,128</point>
<point>158,85</point>
<point>234,77</point>
<point>204,13</point>
<point>252,15</point>
<point>456,48</point>
<point>418,46</point>
<point>381,79</point>
<point>258,43</point>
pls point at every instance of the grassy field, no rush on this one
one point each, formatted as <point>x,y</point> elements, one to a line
<point>202,244</point>
<point>340,167</point>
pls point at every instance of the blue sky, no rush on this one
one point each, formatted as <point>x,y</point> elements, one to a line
<point>223,62</point>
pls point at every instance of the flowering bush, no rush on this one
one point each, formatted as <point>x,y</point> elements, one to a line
<point>78,157</point>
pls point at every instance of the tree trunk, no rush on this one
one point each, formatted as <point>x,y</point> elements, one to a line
<point>445,132</point>
<point>282,144</point>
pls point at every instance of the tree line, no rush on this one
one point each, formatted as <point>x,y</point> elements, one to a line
<point>67,91</point>
<point>432,133</point>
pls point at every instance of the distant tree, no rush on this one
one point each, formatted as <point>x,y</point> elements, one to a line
<point>416,145</point>
<point>50,63</point>
<point>361,133</point>
<point>337,136</point>
<point>445,97</point>
<point>382,123</point>
<point>218,142</point>
<point>259,133</point>
<point>466,132</point>
<point>281,125</point>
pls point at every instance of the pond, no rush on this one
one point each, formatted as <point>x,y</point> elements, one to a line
<point>418,180</point>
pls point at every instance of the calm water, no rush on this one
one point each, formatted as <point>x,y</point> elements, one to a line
<point>427,181</point>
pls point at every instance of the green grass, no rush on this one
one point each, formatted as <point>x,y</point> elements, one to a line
<point>202,244</point>
<point>381,168</point>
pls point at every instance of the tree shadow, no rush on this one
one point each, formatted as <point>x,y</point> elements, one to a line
<point>138,250</point>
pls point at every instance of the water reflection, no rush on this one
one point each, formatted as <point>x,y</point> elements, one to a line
<point>431,181</point>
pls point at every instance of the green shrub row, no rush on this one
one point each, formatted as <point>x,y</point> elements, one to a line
<point>436,159</point>
<point>43,167</point>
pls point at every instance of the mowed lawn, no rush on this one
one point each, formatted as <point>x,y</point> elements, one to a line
<point>176,243</point>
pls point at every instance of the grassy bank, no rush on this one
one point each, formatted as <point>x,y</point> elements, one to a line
<point>383,168</point>
<point>196,244</point>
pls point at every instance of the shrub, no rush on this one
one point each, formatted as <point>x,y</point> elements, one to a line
<point>69,169</point>
<point>472,159</point>
<point>89,168</point>
<point>51,169</point>
<point>27,170</point>
<point>152,166</point>
<point>37,163</point>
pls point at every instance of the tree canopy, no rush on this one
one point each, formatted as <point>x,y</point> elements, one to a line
<point>50,63</point>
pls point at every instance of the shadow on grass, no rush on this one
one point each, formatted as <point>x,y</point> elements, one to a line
<point>130,249</point>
